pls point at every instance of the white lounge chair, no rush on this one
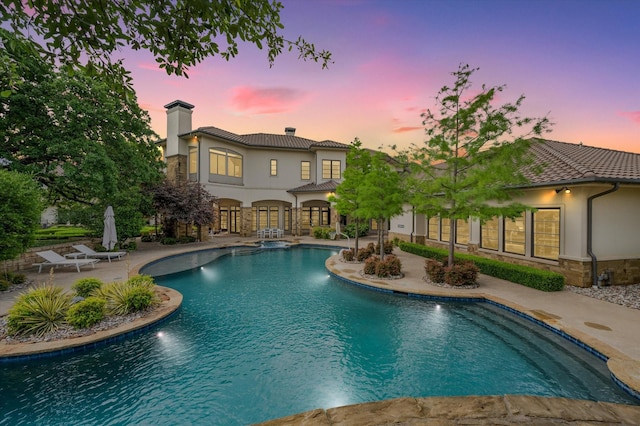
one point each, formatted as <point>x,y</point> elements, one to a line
<point>54,259</point>
<point>88,252</point>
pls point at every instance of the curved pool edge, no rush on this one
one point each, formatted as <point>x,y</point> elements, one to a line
<point>507,409</point>
<point>20,352</point>
<point>625,372</point>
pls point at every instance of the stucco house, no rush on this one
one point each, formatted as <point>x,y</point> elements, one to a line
<point>261,180</point>
<point>586,225</point>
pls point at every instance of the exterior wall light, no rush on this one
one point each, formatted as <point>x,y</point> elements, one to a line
<point>563,189</point>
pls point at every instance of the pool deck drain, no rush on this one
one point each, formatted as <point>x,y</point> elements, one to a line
<point>603,326</point>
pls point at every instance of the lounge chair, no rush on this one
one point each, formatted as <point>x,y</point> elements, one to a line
<point>54,259</point>
<point>88,252</point>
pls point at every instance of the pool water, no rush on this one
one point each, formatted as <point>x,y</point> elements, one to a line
<point>269,334</point>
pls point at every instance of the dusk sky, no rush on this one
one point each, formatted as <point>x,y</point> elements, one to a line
<point>578,62</point>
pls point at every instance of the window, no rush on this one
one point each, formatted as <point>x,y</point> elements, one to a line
<point>546,233</point>
<point>462,232</point>
<point>193,163</point>
<point>445,229</point>
<point>224,163</point>
<point>514,235</point>
<point>235,164</point>
<point>218,162</point>
<point>305,170</point>
<point>330,169</point>
<point>432,233</point>
<point>489,234</point>
<point>273,168</point>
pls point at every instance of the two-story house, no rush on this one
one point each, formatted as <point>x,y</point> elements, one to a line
<point>260,180</point>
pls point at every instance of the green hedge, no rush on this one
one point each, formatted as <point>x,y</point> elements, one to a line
<point>519,274</point>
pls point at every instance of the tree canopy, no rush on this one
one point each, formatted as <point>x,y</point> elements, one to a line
<point>72,133</point>
<point>183,202</point>
<point>85,34</point>
<point>20,208</point>
<point>347,200</point>
<point>474,157</point>
<point>381,196</point>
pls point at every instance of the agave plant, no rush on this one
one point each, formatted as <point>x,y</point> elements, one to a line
<point>38,311</point>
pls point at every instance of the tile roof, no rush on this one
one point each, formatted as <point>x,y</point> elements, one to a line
<point>266,140</point>
<point>564,162</point>
<point>327,186</point>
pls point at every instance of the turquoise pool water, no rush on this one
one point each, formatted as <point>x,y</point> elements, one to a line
<point>269,334</point>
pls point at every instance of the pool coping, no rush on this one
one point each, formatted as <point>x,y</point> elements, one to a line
<point>625,371</point>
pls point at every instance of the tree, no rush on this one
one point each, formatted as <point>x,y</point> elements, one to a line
<point>183,202</point>
<point>20,208</point>
<point>73,133</point>
<point>179,33</point>
<point>474,156</point>
<point>381,196</point>
<point>347,201</point>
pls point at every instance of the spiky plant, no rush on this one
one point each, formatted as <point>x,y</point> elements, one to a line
<point>38,311</point>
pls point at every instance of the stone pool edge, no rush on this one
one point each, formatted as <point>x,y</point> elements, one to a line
<point>625,372</point>
<point>20,352</point>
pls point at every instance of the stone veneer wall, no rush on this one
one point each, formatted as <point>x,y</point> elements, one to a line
<point>177,168</point>
<point>576,273</point>
<point>246,221</point>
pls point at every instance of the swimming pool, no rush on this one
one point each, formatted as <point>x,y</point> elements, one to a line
<point>267,333</point>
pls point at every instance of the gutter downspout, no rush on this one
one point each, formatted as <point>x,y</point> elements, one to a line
<point>297,232</point>
<point>413,223</point>
<point>594,260</point>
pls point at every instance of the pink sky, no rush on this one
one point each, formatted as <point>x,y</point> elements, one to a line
<point>576,61</point>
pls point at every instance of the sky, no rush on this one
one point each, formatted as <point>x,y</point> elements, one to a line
<point>576,62</point>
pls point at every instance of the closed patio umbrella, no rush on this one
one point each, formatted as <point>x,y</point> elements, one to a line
<point>110,237</point>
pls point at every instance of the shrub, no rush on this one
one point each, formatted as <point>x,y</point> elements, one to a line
<point>519,274</point>
<point>388,247</point>
<point>434,270</point>
<point>142,281</point>
<point>130,246</point>
<point>168,241</point>
<point>85,286</point>
<point>390,266</point>
<point>348,255</point>
<point>363,254</point>
<point>4,284</point>
<point>370,265</point>
<point>129,296</point>
<point>321,232</point>
<point>86,313</point>
<point>13,278</point>
<point>38,311</point>
<point>350,230</point>
<point>185,239</point>
<point>139,298</point>
<point>460,274</point>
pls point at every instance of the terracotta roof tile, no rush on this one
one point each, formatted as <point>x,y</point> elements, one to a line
<point>567,162</point>
<point>266,140</point>
<point>312,187</point>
